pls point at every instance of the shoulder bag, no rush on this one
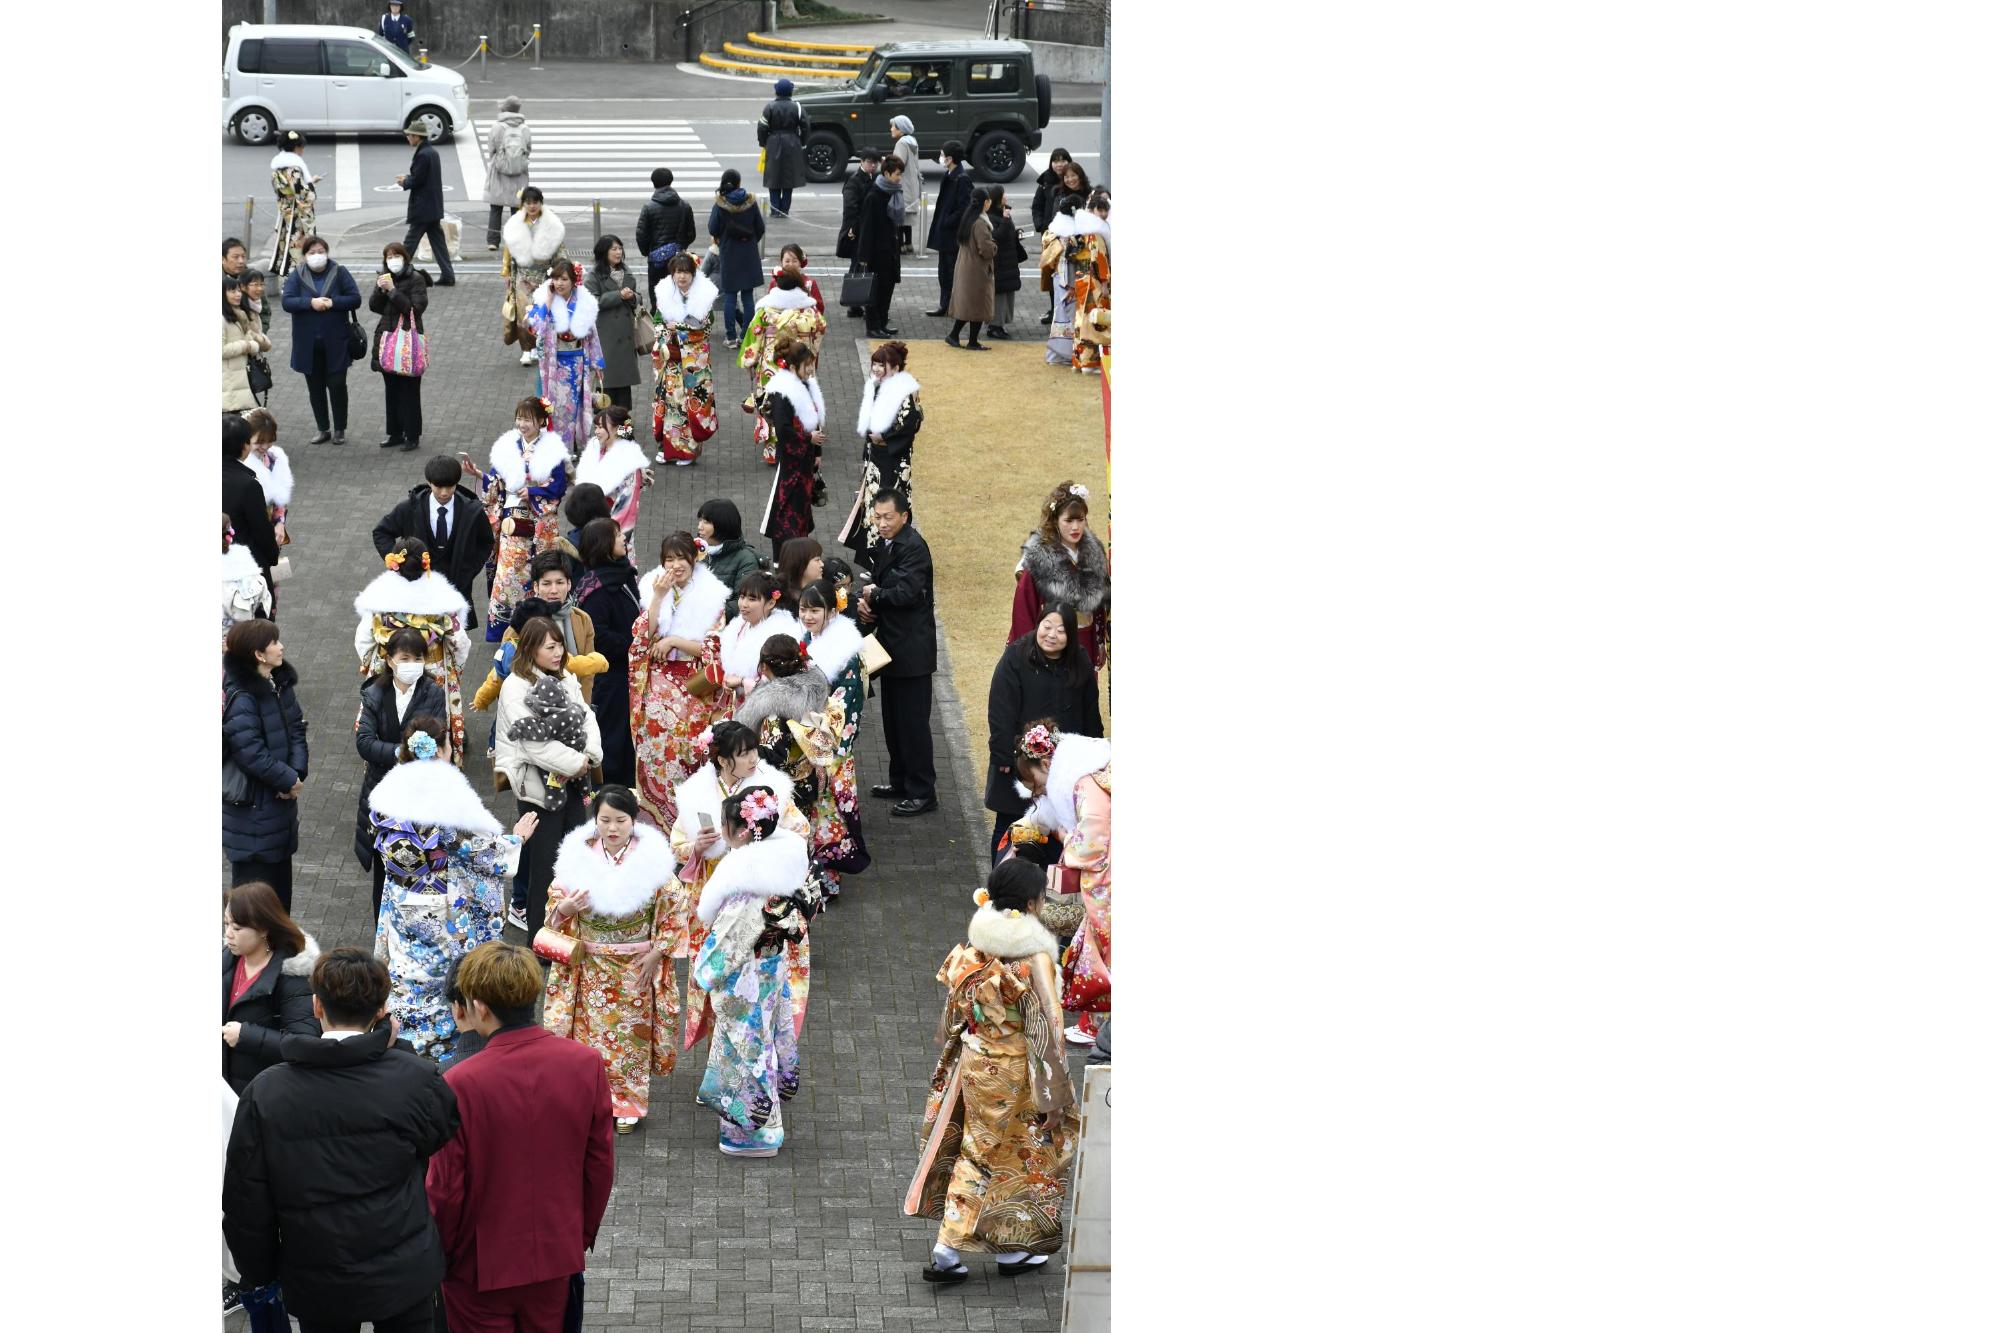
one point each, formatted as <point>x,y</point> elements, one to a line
<point>402,351</point>
<point>858,287</point>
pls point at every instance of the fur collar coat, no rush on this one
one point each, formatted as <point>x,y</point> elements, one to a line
<point>620,889</point>
<point>1084,582</point>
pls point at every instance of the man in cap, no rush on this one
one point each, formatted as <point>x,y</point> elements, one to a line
<point>781,133</point>
<point>395,26</point>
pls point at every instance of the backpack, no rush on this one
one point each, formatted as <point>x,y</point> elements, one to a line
<point>512,157</point>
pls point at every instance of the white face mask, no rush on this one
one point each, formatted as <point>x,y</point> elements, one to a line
<point>395,264</point>
<point>316,262</point>
<point>407,673</point>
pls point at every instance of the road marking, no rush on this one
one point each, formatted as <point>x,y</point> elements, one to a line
<point>346,172</point>
<point>613,159</point>
<point>471,162</point>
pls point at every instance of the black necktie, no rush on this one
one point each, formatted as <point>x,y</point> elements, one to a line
<point>440,528</point>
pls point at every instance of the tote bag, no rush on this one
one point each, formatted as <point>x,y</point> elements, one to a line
<point>402,351</point>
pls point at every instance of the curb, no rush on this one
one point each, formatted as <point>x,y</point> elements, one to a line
<point>843,48</point>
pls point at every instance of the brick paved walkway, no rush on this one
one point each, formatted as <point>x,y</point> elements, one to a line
<point>814,1238</point>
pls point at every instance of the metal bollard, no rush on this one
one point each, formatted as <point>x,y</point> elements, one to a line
<point>596,221</point>
<point>538,47</point>
<point>249,222</point>
<point>482,59</point>
<point>423,57</point>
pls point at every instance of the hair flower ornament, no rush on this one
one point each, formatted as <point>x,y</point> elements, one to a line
<point>423,745</point>
<point>394,560</point>
<point>427,562</point>
<point>1039,742</point>
<point>704,743</point>
<point>758,808</point>
<point>982,898</point>
<point>840,598</point>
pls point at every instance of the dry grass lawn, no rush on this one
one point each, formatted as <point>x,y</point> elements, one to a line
<point>1000,430</point>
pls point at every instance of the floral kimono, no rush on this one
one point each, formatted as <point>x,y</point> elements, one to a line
<point>1077,805</point>
<point>666,719</point>
<point>291,181</point>
<point>756,905</point>
<point>780,317</point>
<point>598,999</point>
<point>836,805</point>
<point>683,389</point>
<point>522,491</point>
<point>1001,1121</point>
<point>889,408</point>
<point>433,608</point>
<point>1089,257</point>
<point>704,793</point>
<point>620,472</point>
<point>446,868</point>
<point>566,341</point>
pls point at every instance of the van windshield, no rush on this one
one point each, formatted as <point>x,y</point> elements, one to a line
<point>391,52</point>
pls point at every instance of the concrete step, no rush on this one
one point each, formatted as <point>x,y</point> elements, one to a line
<point>831,48</point>
<point>794,72</point>
<point>842,65</point>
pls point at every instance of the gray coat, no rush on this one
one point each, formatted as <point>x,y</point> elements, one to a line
<point>781,132</point>
<point>504,190</point>
<point>615,331</point>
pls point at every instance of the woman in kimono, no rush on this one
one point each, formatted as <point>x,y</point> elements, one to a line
<point>1062,562</point>
<point>791,405</point>
<point>833,644</point>
<point>563,317</point>
<point>674,638</point>
<point>731,763</point>
<point>792,259</point>
<point>784,314</point>
<point>408,595</point>
<point>245,594</point>
<point>613,462</point>
<point>296,187</point>
<point>447,865</point>
<point>890,418</point>
<point>758,617</point>
<point>1092,294</point>
<point>1071,242</point>
<point>1069,779</point>
<point>757,905</point>
<point>683,389</point>
<point>522,489</point>
<point>274,474</point>
<point>611,928</point>
<point>1001,1121</point>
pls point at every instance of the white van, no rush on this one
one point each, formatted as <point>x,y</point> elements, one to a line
<point>309,77</point>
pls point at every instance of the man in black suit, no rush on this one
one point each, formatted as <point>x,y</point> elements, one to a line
<point>898,605</point>
<point>425,182</point>
<point>243,497</point>
<point>954,197</point>
<point>447,518</point>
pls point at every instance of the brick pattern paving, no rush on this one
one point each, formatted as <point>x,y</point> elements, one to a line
<point>814,1238</point>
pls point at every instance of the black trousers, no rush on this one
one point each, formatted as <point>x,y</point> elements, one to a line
<point>441,252</point>
<point>947,265</point>
<point>539,856</point>
<point>416,1319</point>
<point>493,221</point>
<point>878,309</point>
<point>278,874</point>
<point>620,395</point>
<point>375,887</point>
<point>1001,823</point>
<point>323,386</point>
<point>403,405</point>
<point>906,730</point>
<point>614,726</point>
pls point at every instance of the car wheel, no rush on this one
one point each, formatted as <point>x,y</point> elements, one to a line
<point>999,157</point>
<point>826,157</point>
<point>254,125</point>
<point>1044,100</point>
<point>431,121</point>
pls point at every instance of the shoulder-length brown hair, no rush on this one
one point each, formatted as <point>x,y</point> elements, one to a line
<point>1059,505</point>
<point>257,906</point>
<point>537,631</point>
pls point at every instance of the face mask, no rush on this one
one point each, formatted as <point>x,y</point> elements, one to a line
<point>395,265</point>
<point>316,262</point>
<point>408,672</point>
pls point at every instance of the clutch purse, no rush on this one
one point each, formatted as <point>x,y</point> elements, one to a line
<point>558,947</point>
<point>873,655</point>
<point>1062,913</point>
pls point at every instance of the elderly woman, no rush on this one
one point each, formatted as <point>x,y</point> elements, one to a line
<point>903,137</point>
<point>399,295</point>
<point>321,296</point>
<point>534,240</point>
<point>508,144</point>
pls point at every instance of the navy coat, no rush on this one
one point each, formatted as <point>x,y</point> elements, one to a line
<point>425,182</point>
<point>377,733</point>
<point>738,229</point>
<point>324,328</point>
<point>954,197</point>
<point>398,28</point>
<point>264,730</point>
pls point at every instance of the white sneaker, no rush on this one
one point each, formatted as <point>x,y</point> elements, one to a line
<point>1076,1036</point>
<point>517,918</point>
<point>683,462</point>
<point>660,457</point>
<point>527,358</point>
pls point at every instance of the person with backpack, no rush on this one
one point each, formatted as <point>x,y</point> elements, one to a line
<point>508,145</point>
<point>666,227</point>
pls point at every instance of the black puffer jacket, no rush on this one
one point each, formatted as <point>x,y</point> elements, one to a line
<point>279,1002</point>
<point>377,733</point>
<point>666,217</point>
<point>1024,688</point>
<point>1007,254</point>
<point>265,731</point>
<point>324,1183</point>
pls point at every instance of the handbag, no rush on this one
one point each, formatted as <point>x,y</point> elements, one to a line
<point>873,655</point>
<point>1062,913</point>
<point>558,947</point>
<point>704,683</point>
<point>402,351</point>
<point>510,315</point>
<point>260,377</point>
<point>236,788</point>
<point>357,341</point>
<point>857,288</point>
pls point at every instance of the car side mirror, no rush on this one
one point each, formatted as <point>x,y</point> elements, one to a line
<point>879,93</point>
<point>389,71</point>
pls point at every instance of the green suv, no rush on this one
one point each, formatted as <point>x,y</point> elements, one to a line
<point>985,94</point>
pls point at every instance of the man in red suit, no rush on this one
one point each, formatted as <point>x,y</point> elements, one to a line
<point>519,1192</point>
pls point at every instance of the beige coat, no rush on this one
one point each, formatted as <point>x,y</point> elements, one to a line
<point>972,276</point>
<point>239,343</point>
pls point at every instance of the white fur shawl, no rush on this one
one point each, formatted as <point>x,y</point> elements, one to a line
<point>700,605</point>
<point>275,477</point>
<point>771,868</point>
<point>615,890</point>
<point>238,564</point>
<point>1083,222</point>
<point>741,642</point>
<point>835,646</point>
<point>880,402</point>
<point>431,791</point>
<point>780,299</point>
<point>582,322</point>
<point>389,593</point>
<point>674,308</point>
<point>804,397</point>
<point>701,793</point>
<point>548,454</point>
<point>609,468</point>
<point>287,158</point>
<point>998,935</point>
<point>533,245</point>
<point>1075,759</point>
